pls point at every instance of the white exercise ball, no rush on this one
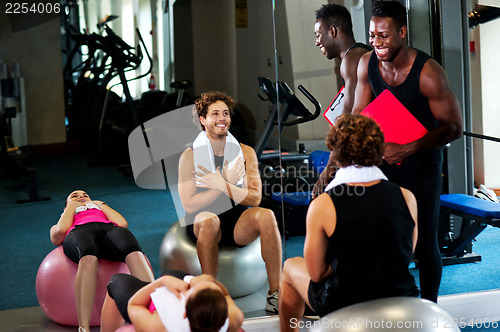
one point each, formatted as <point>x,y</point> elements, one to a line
<point>241,270</point>
<point>395,314</point>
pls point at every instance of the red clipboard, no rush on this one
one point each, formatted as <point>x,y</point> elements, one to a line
<point>335,108</point>
<point>397,123</point>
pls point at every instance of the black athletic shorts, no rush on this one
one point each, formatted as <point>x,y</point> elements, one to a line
<point>123,286</point>
<point>228,221</point>
<point>326,296</point>
<point>105,241</point>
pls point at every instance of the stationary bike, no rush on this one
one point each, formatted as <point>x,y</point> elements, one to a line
<point>286,172</point>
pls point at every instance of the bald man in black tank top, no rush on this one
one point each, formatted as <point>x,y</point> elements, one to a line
<point>420,84</point>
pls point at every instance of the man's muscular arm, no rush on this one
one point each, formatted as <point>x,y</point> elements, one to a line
<point>249,195</point>
<point>191,199</point>
<point>349,72</point>
<point>363,94</point>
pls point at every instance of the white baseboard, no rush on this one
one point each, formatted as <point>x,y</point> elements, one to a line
<point>480,308</point>
<point>261,324</point>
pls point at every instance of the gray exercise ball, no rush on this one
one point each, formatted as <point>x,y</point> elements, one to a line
<point>389,314</point>
<point>241,270</point>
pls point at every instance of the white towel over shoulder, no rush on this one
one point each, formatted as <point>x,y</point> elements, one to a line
<point>203,153</point>
<point>356,173</point>
<point>171,310</point>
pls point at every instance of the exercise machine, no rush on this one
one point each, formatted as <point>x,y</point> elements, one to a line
<point>284,104</point>
<point>286,175</point>
<point>94,112</point>
<point>462,218</point>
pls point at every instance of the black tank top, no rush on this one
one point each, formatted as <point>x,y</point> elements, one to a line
<point>221,204</point>
<point>366,47</point>
<point>409,94</point>
<point>218,161</point>
<point>371,246</point>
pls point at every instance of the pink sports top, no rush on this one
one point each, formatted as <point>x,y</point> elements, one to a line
<point>152,307</point>
<point>88,216</point>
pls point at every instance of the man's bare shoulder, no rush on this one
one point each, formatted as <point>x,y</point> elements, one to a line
<point>433,79</point>
<point>432,68</point>
<point>350,62</point>
<point>361,62</point>
<point>188,151</point>
<point>359,58</point>
<point>187,155</point>
<point>357,52</point>
<point>246,149</point>
<point>366,56</point>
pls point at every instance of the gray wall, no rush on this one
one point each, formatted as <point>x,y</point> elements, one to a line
<point>38,50</point>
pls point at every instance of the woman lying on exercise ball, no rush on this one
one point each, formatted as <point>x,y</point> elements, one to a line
<point>175,302</point>
<point>91,230</point>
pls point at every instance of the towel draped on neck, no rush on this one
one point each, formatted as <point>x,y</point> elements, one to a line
<point>355,174</point>
<point>203,153</point>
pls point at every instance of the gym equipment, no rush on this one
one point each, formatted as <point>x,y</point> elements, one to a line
<point>241,270</point>
<point>296,202</point>
<point>55,281</point>
<point>462,217</point>
<point>482,14</point>
<point>155,102</point>
<point>290,105</point>
<point>95,113</point>
<point>476,214</point>
<point>294,176</point>
<point>389,314</point>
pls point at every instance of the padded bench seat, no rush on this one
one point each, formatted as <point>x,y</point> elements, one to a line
<point>471,205</point>
<point>476,213</point>
<point>296,198</point>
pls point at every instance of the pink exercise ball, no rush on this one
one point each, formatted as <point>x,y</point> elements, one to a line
<point>55,283</point>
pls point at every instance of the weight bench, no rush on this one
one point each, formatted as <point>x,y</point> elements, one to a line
<point>476,214</point>
<point>295,208</point>
<point>296,203</point>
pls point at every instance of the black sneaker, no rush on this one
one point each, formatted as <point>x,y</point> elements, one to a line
<point>310,314</point>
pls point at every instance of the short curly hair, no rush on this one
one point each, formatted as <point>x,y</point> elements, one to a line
<point>337,16</point>
<point>208,98</point>
<point>356,140</point>
<point>391,9</point>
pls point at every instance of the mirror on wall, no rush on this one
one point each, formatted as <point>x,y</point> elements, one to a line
<point>436,27</point>
<point>259,52</point>
<point>302,65</point>
<point>214,45</point>
<point>230,45</point>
